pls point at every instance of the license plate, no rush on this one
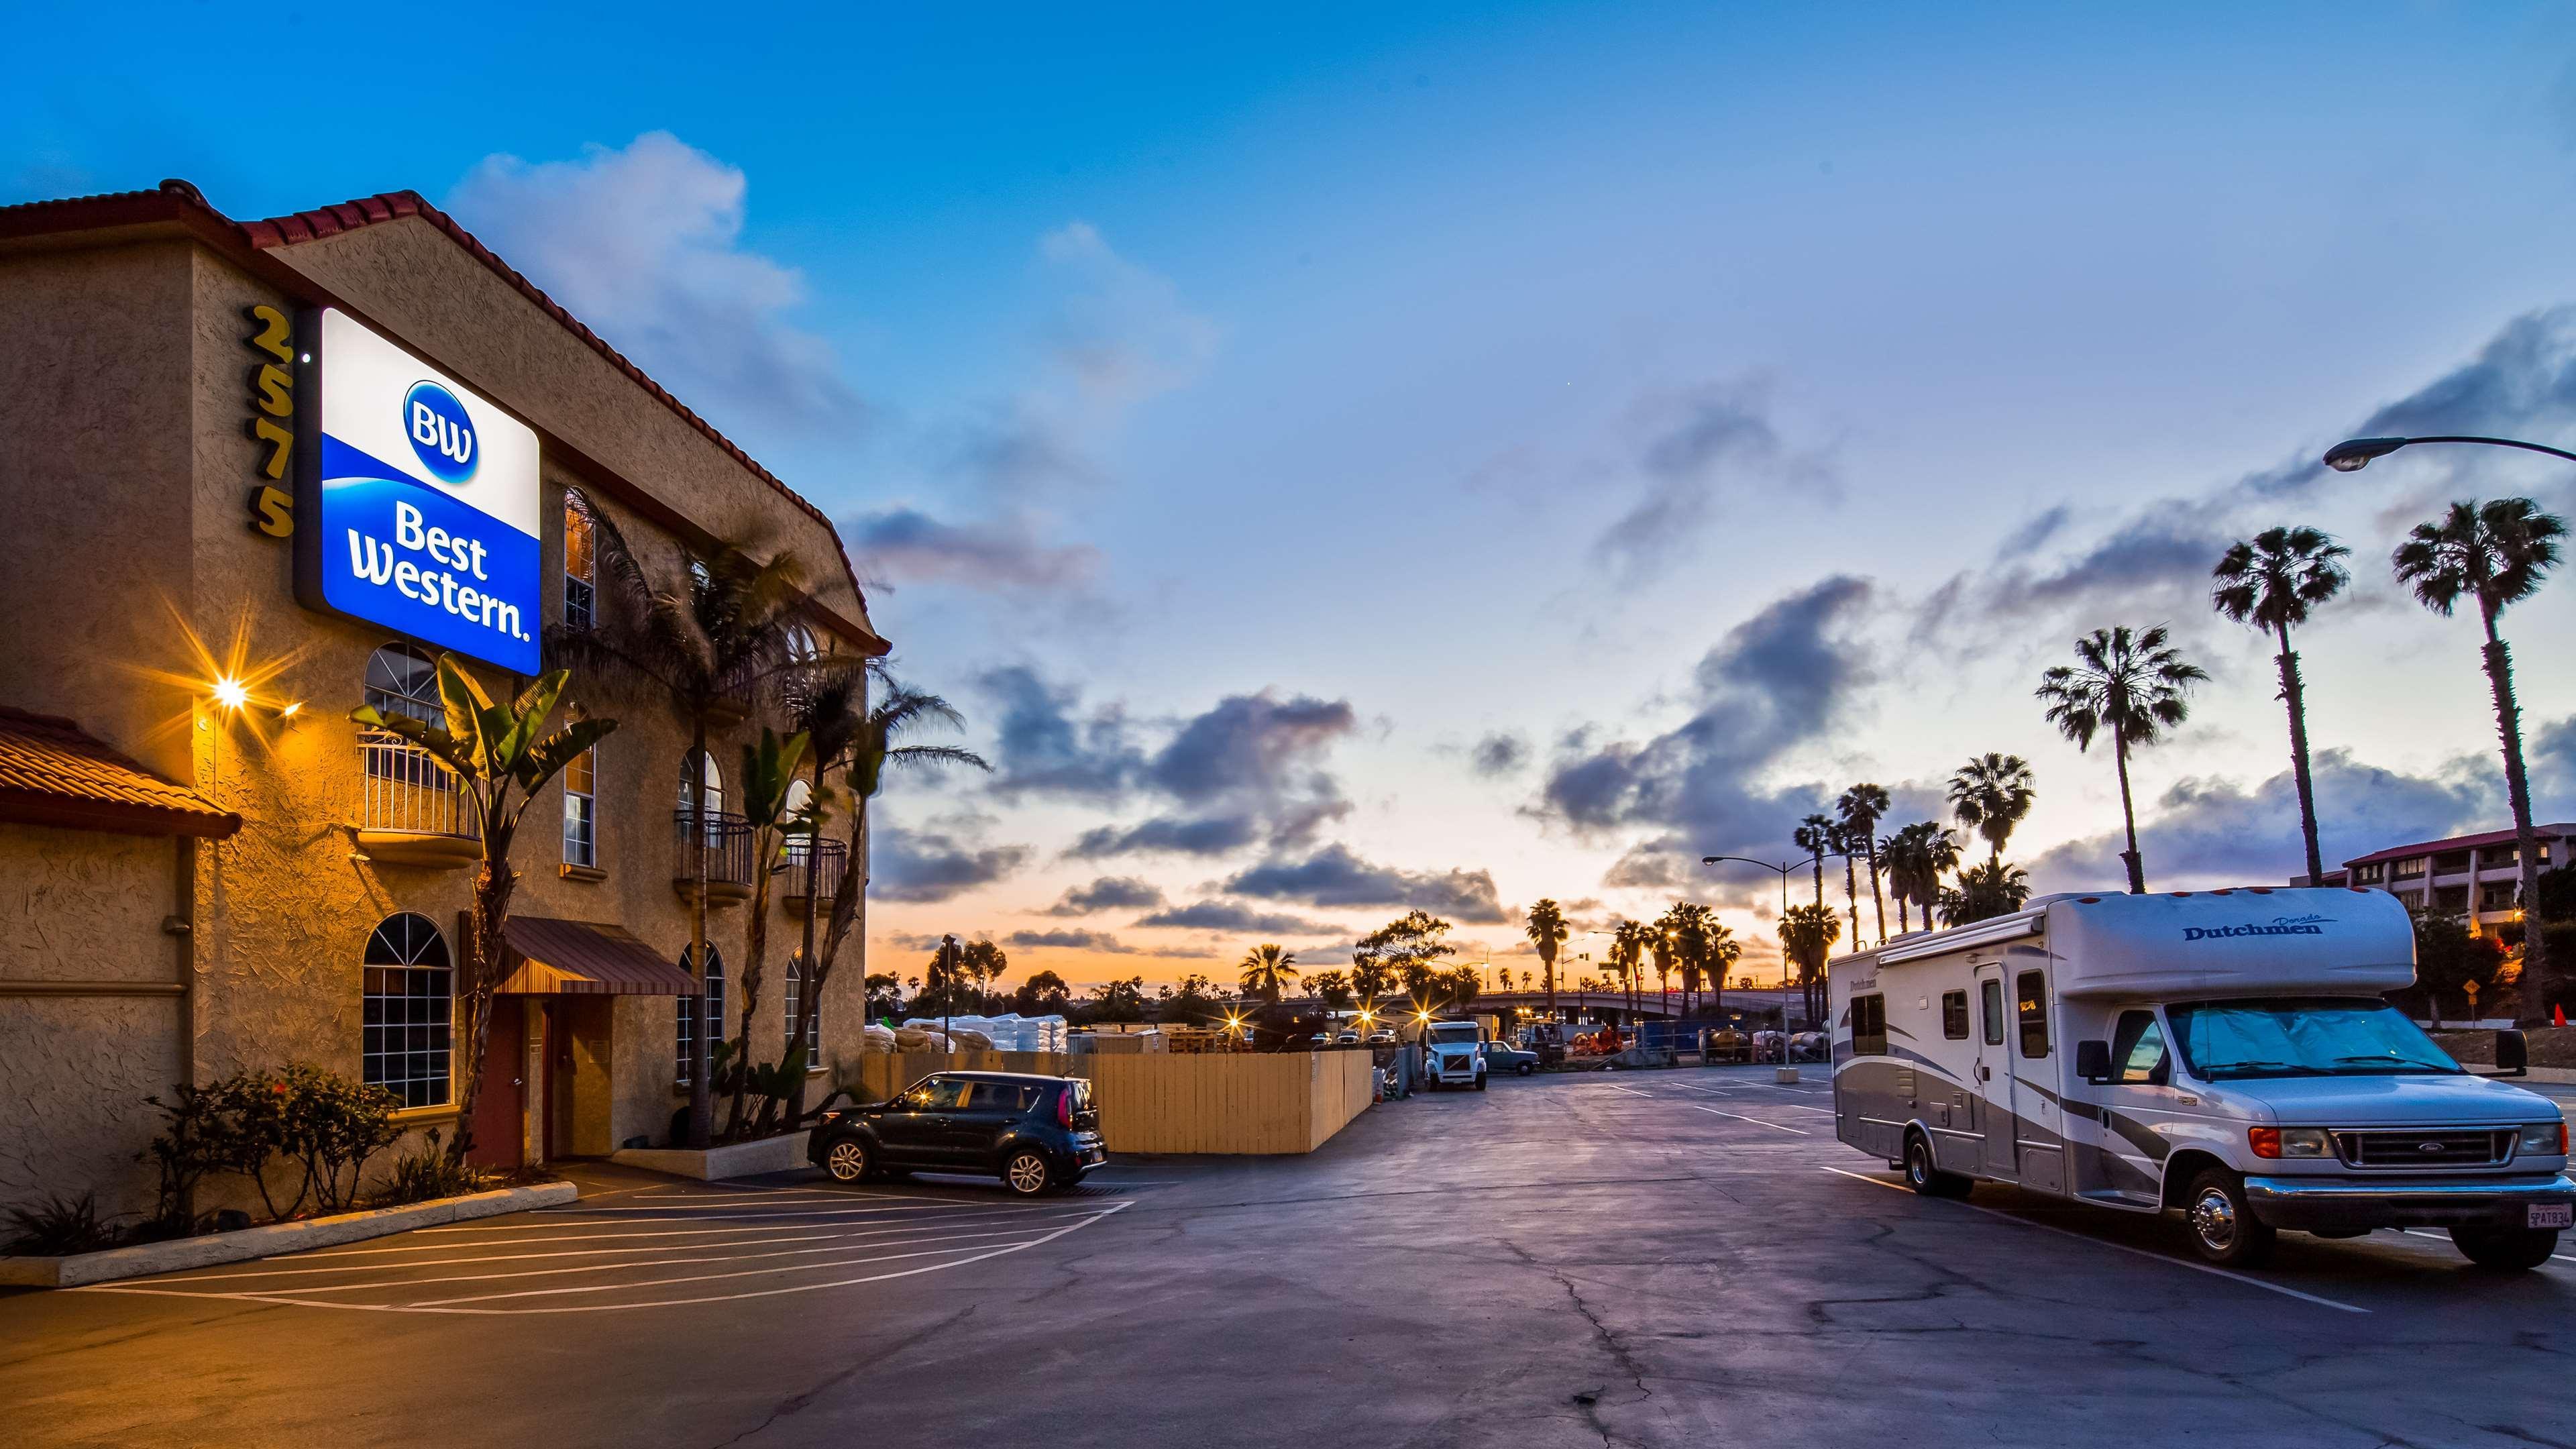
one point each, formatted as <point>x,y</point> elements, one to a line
<point>2550,1215</point>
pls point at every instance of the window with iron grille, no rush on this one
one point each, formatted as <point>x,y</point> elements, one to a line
<point>581,811</point>
<point>709,1010</point>
<point>795,1003</point>
<point>406,1011</point>
<point>579,586</point>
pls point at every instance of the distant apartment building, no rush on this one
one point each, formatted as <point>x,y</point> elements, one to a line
<point>2477,876</point>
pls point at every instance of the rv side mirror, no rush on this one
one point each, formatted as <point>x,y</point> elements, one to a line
<point>2513,1054</point>
<point>2093,1061</point>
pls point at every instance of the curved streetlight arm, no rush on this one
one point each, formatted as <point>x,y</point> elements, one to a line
<point>2354,454</point>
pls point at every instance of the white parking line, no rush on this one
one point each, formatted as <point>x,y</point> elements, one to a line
<point>2212,1270</point>
<point>1756,1121</point>
<point>454,1306</point>
<point>1792,1106</point>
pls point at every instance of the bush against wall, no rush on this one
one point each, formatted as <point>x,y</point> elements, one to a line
<point>319,1124</point>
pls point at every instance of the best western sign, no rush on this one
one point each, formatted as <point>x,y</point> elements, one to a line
<point>421,510</point>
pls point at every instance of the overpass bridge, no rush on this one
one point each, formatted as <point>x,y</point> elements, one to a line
<point>1618,1005</point>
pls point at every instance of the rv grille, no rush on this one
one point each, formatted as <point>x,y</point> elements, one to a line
<point>2399,1148</point>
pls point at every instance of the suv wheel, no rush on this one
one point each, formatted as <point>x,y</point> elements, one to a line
<point>848,1160</point>
<point>2223,1228</point>
<point>2510,1250</point>
<point>1026,1174</point>
<point>1523,1070</point>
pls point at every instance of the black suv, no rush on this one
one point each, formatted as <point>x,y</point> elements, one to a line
<point>1037,1133</point>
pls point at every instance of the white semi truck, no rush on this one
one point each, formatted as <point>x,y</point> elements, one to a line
<point>2226,1053</point>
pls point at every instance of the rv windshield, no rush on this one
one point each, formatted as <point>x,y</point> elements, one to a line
<point>2302,1036</point>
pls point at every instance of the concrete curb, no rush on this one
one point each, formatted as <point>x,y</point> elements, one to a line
<point>211,1249</point>
<point>737,1159</point>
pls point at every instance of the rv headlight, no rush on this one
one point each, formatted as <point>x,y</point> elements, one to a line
<point>2545,1138</point>
<point>2288,1141</point>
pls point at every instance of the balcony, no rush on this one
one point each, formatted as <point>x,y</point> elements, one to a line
<point>728,843</point>
<point>410,811</point>
<point>831,861</point>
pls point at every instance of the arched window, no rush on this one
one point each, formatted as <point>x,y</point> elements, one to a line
<point>713,776</point>
<point>580,590</point>
<point>403,680</point>
<point>711,1010</point>
<point>405,1013</point>
<point>795,1003</point>
<point>581,810</point>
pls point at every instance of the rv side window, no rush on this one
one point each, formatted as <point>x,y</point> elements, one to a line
<point>1954,1015</point>
<point>1992,999</point>
<point>2032,990</point>
<point>2137,1048</point>
<point>1869,1026</point>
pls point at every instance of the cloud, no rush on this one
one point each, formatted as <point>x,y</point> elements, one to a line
<point>1693,443</point>
<point>1498,754</point>
<point>921,866</point>
<point>1703,787</point>
<point>1334,877</point>
<point>1248,770</point>
<point>2207,831</point>
<point>1108,893</point>
<point>1233,916</point>
<point>1071,941</point>
<point>1121,334</point>
<point>645,245</point>
<point>1004,554</point>
<point>1044,749</point>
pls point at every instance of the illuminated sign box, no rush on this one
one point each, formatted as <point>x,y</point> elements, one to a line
<point>421,503</point>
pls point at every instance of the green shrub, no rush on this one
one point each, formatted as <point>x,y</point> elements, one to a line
<point>322,1122</point>
<point>429,1174</point>
<point>60,1227</point>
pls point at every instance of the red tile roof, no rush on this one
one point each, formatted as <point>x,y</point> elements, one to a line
<point>2460,842</point>
<point>53,773</point>
<point>175,199</point>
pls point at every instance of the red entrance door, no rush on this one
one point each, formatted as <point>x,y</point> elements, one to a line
<point>500,1112</point>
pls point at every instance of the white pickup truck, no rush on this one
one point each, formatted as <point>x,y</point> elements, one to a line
<point>1453,1055</point>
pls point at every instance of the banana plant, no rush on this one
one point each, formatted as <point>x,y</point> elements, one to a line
<point>500,756</point>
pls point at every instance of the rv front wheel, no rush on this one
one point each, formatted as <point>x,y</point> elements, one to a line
<point>2512,1250</point>
<point>2223,1227</point>
<point>1927,1179</point>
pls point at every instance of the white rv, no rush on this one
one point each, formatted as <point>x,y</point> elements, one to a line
<point>2228,1053</point>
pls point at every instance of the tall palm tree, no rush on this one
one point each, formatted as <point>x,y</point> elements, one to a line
<point>2496,553</point>
<point>1546,930</point>
<point>1628,947</point>
<point>1266,972</point>
<point>710,647</point>
<point>860,742</point>
<point>2137,686</point>
<point>1848,847</point>
<point>1984,892</point>
<point>2272,583</point>
<point>1666,947</point>
<point>1990,795</point>
<point>1936,855</point>
<point>1859,811</point>
<point>1807,936</point>
<point>1815,835</point>
<point>768,779</point>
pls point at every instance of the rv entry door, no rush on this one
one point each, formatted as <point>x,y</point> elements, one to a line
<point>1991,1094</point>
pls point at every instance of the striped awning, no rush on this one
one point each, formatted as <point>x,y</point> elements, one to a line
<point>586,958</point>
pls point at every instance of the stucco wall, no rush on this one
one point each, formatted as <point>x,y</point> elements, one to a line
<point>142,546</point>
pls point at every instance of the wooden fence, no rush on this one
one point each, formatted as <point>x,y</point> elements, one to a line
<point>1242,1102</point>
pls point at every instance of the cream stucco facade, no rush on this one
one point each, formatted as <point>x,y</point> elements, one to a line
<point>132,961</point>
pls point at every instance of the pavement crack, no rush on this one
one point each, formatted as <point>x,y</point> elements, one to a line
<point>798,1403</point>
<point>1589,1400</point>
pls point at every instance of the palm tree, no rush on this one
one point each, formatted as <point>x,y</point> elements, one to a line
<point>491,750</point>
<point>1665,944</point>
<point>1807,936</point>
<point>1546,930</point>
<point>1984,892</point>
<point>2496,553</point>
<point>861,743</point>
<point>1628,947</point>
<point>1266,972</point>
<point>768,780</point>
<point>1990,795</point>
<point>2133,684</point>
<point>2272,583</point>
<point>1923,853</point>
<point>710,649</point>
<point>1860,809</point>
<point>1815,835</point>
<point>1846,846</point>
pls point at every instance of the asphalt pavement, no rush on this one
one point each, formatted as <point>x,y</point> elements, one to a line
<point>1652,1258</point>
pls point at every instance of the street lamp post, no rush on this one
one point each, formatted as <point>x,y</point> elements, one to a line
<point>1783,871</point>
<point>2351,456</point>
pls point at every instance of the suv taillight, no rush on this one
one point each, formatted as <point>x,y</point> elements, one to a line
<point>1064,1107</point>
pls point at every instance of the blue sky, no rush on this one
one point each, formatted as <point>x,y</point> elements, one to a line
<point>1248,417</point>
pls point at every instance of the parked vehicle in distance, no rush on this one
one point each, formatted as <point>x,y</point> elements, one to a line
<point>2227,1053</point>
<point>1502,1056</point>
<point>1037,1134</point>
<point>1346,1038</point>
<point>1453,1055</point>
<point>1725,1044</point>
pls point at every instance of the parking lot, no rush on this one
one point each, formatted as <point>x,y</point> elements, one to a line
<point>1677,1257</point>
